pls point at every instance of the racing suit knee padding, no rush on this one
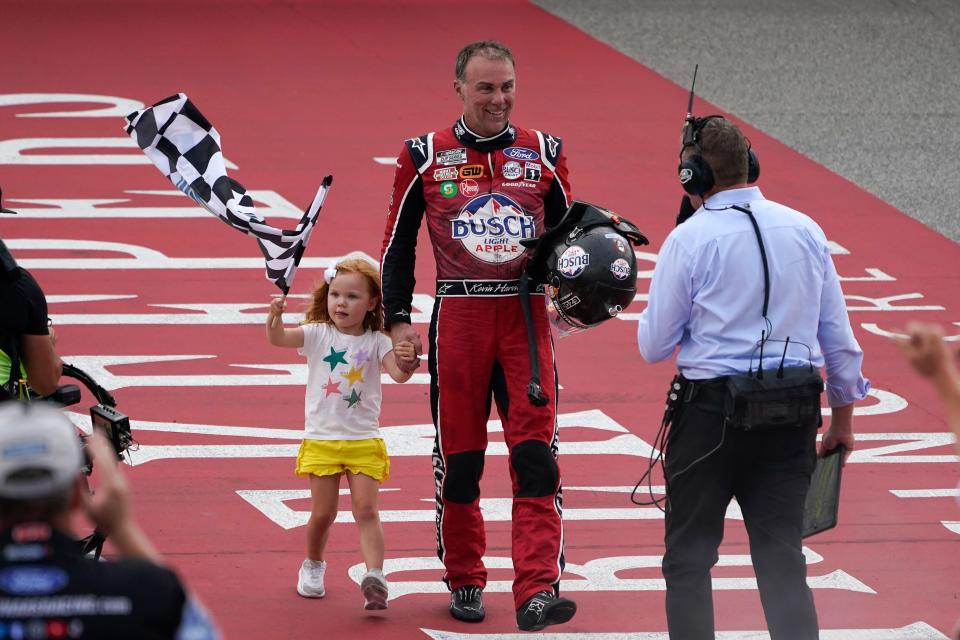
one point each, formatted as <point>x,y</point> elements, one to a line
<point>462,481</point>
<point>536,469</point>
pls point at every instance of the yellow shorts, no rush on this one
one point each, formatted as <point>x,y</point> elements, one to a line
<point>333,457</point>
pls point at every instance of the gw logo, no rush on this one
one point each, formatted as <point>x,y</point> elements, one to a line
<point>471,171</point>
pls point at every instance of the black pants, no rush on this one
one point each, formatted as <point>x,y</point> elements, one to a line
<point>769,473</point>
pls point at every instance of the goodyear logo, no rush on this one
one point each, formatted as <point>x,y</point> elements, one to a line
<point>491,226</point>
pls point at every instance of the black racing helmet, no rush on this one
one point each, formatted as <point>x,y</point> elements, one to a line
<point>587,264</point>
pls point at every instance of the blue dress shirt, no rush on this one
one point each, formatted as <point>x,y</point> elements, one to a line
<point>707,296</point>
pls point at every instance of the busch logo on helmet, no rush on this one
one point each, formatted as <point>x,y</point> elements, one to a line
<point>491,226</point>
<point>573,261</point>
<point>620,269</point>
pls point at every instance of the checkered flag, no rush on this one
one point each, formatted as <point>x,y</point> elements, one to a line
<point>183,144</point>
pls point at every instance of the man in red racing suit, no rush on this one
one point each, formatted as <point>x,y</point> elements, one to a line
<point>483,185</point>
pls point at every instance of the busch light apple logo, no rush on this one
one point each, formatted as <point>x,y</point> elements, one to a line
<point>491,227</point>
<point>573,261</point>
<point>620,269</point>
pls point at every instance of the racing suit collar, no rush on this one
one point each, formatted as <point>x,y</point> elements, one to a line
<point>470,139</point>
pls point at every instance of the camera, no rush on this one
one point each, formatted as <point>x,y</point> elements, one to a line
<point>114,425</point>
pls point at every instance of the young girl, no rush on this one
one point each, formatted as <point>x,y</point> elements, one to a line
<point>344,344</point>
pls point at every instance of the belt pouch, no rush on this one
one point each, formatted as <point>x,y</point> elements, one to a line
<point>780,399</point>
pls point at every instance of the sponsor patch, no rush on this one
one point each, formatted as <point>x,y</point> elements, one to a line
<point>525,185</point>
<point>31,532</point>
<point>553,144</point>
<point>418,144</point>
<point>452,156</point>
<point>32,580</point>
<point>448,189</point>
<point>446,173</point>
<point>511,170</point>
<point>685,175</point>
<point>24,552</point>
<point>572,262</point>
<point>570,301</point>
<point>471,171</point>
<point>531,171</point>
<point>469,188</point>
<point>521,153</point>
<point>620,269</point>
<point>491,226</point>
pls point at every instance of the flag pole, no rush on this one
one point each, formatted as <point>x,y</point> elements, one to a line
<point>314,210</point>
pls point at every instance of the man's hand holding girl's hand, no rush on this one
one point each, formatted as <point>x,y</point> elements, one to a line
<point>406,355</point>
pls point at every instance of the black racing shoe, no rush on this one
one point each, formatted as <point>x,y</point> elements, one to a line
<point>466,603</point>
<point>544,609</point>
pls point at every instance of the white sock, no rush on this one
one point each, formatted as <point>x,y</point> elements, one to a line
<point>316,564</point>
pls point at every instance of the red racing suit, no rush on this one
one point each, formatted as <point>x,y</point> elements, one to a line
<point>480,197</point>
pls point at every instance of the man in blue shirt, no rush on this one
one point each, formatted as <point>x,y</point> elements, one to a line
<point>707,296</point>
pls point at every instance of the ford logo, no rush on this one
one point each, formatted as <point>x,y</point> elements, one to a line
<point>32,580</point>
<point>521,153</point>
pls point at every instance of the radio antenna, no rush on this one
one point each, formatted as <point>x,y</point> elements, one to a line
<point>689,133</point>
<point>692,85</point>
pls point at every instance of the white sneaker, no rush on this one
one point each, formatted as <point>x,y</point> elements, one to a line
<point>310,581</point>
<point>374,589</point>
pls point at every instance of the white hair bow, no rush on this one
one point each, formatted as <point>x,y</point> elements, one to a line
<point>330,273</point>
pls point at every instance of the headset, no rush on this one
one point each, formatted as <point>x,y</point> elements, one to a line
<point>696,175</point>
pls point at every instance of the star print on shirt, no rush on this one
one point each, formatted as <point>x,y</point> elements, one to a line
<point>361,357</point>
<point>331,387</point>
<point>335,358</point>
<point>353,399</point>
<point>353,376</point>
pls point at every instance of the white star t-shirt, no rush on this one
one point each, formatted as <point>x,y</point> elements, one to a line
<point>343,382</point>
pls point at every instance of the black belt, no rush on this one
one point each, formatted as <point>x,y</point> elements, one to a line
<point>711,390</point>
<point>470,288</point>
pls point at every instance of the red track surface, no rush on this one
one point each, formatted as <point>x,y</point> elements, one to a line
<point>298,91</point>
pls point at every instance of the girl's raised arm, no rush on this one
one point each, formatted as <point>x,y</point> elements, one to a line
<point>277,334</point>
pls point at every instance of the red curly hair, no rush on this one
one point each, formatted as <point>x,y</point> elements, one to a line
<point>317,310</point>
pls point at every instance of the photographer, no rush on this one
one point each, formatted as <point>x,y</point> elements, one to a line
<point>27,343</point>
<point>724,298</point>
<point>44,580</point>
